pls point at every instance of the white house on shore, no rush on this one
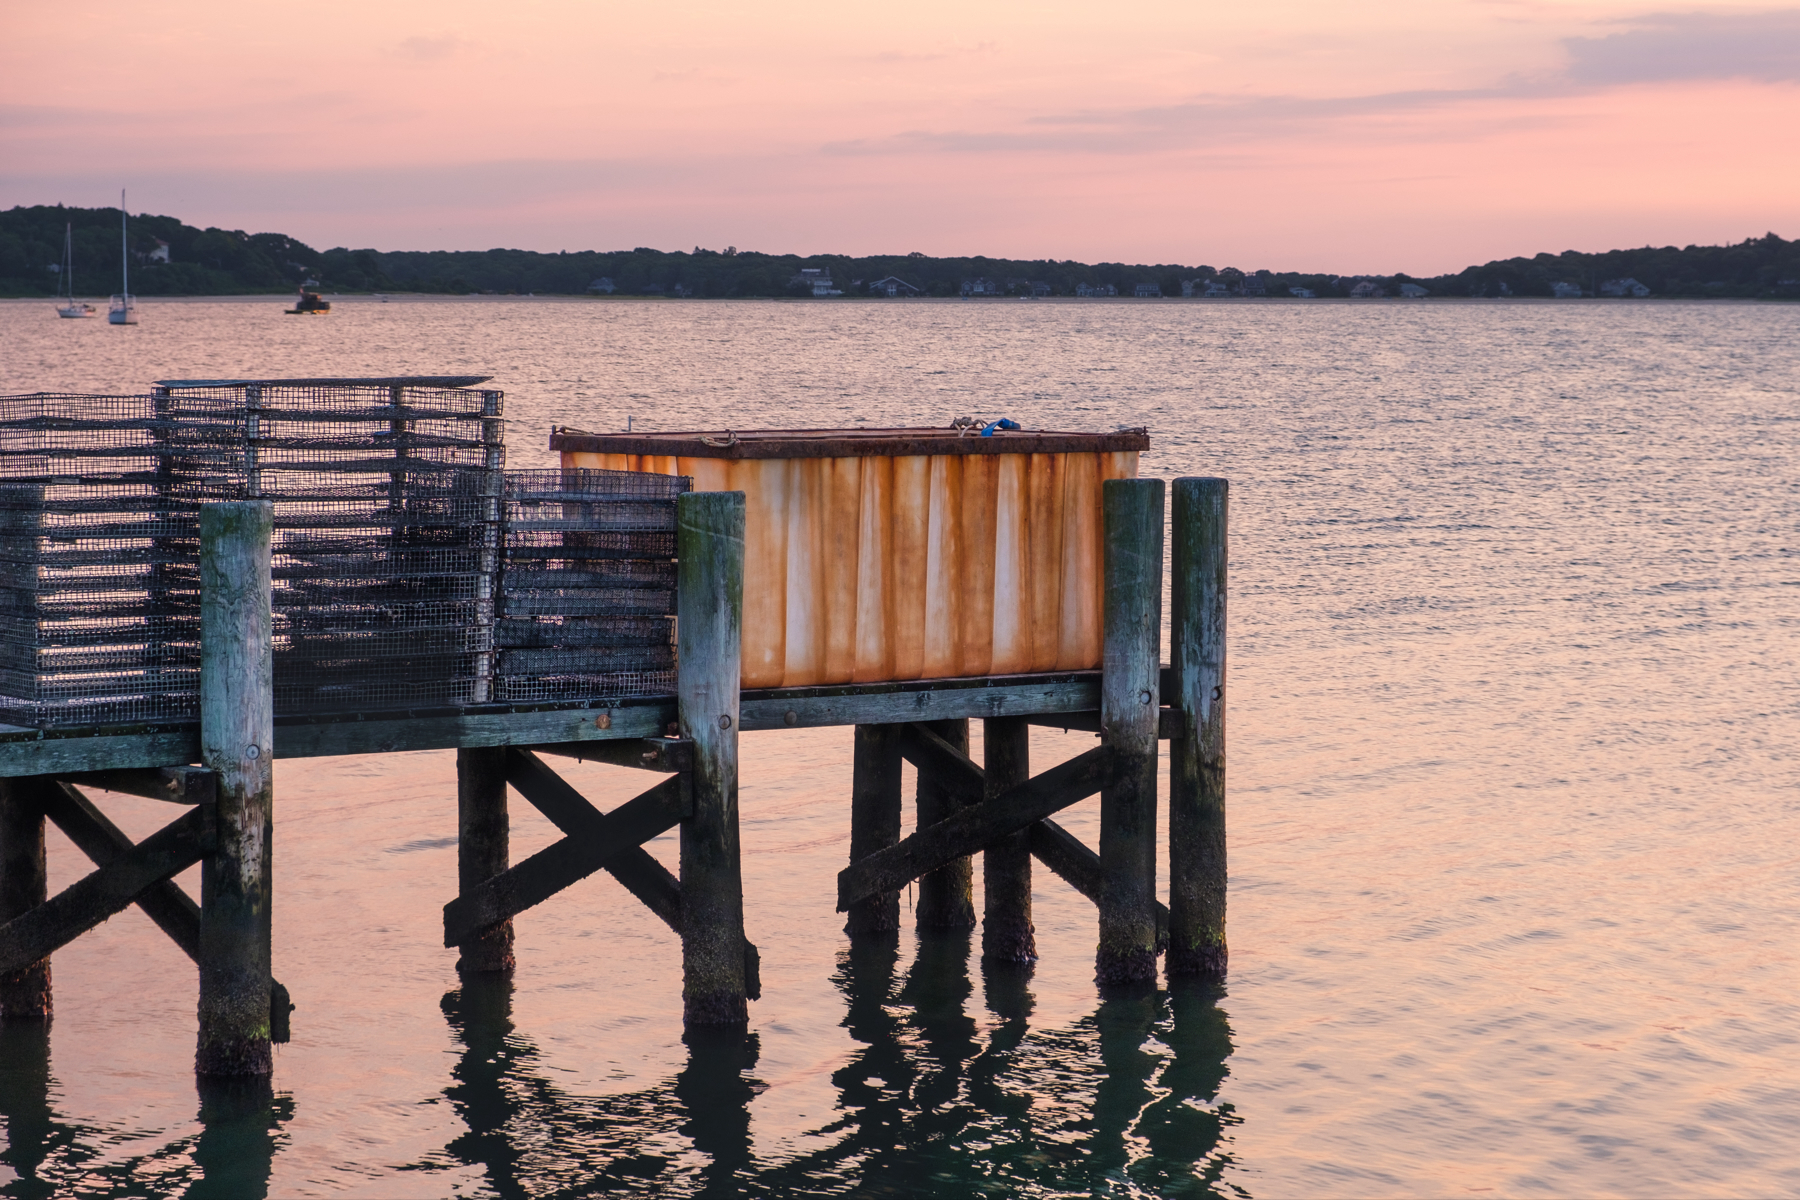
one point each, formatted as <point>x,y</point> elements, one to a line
<point>1563,290</point>
<point>1623,287</point>
<point>893,285</point>
<point>1413,291</point>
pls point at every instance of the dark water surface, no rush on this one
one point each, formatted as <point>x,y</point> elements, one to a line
<point>1515,797</point>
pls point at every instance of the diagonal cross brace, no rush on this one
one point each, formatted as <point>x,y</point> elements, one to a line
<point>1069,858</point>
<point>972,828</point>
<point>106,891</point>
<point>635,867</point>
<point>569,811</point>
<point>595,839</point>
<point>1051,844</point>
<point>164,902</point>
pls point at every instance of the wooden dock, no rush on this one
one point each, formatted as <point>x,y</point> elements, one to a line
<point>220,774</point>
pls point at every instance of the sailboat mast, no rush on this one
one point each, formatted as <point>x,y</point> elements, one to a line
<point>124,251</point>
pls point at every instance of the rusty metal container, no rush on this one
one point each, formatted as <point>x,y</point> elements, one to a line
<point>895,554</point>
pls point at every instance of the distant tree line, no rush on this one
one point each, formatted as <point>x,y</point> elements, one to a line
<point>226,262</point>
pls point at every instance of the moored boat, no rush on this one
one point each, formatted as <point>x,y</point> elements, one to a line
<point>65,280</point>
<point>309,303</point>
<point>123,309</point>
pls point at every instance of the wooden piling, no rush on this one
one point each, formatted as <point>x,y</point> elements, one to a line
<point>1197,873</point>
<point>875,804</point>
<point>1129,685</point>
<point>482,846</point>
<point>24,885</point>
<point>946,895</point>
<point>1007,935</point>
<point>709,622</point>
<point>237,728</point>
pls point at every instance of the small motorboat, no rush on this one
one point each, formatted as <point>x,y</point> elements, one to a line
<point>309,303</point>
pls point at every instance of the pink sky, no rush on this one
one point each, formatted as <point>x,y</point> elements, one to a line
<point>1418,135</point>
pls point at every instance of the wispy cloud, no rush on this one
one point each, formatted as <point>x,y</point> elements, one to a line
<point>1652,48</point>
<point>1667,47</point>
<point>430,49</point>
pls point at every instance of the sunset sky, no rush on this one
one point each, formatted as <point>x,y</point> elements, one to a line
<point>1416,135</point>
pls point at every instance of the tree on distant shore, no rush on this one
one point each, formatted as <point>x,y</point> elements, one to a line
<point>224,262</point>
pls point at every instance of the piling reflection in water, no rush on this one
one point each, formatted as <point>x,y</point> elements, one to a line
<point>936,1096</point>
<point>241,1131</point>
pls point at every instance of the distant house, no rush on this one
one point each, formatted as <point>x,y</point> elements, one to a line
<point>1254,285</point>
<point>1367,290</point>
<point>1217,287</point>
<point>818,279</point>
<point>1188,286</point>
<point>1563,290</point>
<point>980,287</point>
<point>1413,291</point>
<point>1623,287</point>
<point>1096,289</point>
<point>160,254</point>
<point>1147,291</point>
<point>1040,288</point>
<point>893,285</point>
<point>604,285</point>
<point>1301,293</point>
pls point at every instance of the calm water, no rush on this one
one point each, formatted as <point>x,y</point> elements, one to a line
<point>1515,797</point>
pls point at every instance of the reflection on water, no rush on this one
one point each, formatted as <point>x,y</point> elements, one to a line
<point>1125,1102</point>
<point>228,1157</point>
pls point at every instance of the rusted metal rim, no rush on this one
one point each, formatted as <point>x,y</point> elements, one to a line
<point>844,443</point>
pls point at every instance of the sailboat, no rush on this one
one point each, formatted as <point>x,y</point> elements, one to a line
<point>65,281</point>
<point>123,310</point>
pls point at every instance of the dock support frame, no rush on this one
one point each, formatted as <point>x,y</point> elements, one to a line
<point>1129,685</point>
<point>875,813</point>
<point>1197,869</point>
<point>709,624</point>
<point>1007,934</point>
<point>24,885</point>
<point>482,848</point>
<point>947,894</point>
<point>237,742</point>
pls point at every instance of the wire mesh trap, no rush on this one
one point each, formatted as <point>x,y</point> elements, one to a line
<point>409,569</point>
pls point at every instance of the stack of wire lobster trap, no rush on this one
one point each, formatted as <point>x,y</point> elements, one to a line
<point>410,571</point>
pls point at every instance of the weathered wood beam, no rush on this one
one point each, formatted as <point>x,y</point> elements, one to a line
<point>25,992</point>
<point>709,544</point>
<point>26,752</point>
<point>178,785</point>
<point>483,849</point>
<point>949,766</point>
<point>663,754</point>
<point>1007,934</point>
<point>387,733</point>
<point>635,868</point>
<point>1070,860</point>
<point>1168,722</point>
<point>165,903</point>
<point>60,752</point>
<point>237,743</point>
<point>568,861</point>
<point>946,893</point>
<point>1197,873</point>
<point>971,829</point>
<point>875,811</point>
<point>920,700</point>
<point>86,903</point>
<point>1132,511</point>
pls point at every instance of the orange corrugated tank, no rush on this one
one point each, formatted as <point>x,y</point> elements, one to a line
<point>869,568</point>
